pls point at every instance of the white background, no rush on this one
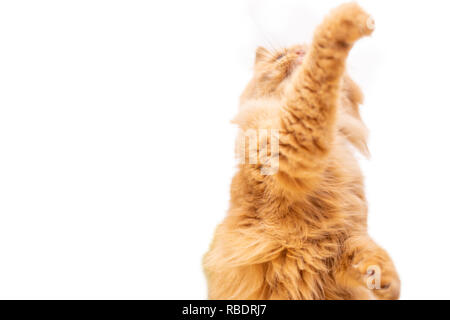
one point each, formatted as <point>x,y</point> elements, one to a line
<point>116,150</point>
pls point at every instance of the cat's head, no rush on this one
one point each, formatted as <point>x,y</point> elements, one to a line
<point>272,69</point>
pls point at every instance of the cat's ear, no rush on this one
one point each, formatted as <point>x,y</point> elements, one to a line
<point>261,54</point>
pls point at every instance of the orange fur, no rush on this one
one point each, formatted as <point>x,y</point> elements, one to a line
<point>301,233</point>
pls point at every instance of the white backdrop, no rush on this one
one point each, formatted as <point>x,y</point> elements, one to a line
<point>116,150</point>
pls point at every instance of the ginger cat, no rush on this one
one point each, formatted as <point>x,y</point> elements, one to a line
<point>301,233</point>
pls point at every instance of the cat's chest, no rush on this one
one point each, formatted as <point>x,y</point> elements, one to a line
<point>318,222</point>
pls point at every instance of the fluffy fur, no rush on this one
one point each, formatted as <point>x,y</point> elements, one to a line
<point>302,233</point>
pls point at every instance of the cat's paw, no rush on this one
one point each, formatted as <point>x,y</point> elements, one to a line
<point>348,23</point>
<point>377,273</point>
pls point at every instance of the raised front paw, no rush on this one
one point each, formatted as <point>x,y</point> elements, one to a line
<point>378,274</point>
<point>348,23</point>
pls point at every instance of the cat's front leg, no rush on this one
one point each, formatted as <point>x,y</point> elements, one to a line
<point>309,107</point>
<point>318,80</point>
<point>368,271</point>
